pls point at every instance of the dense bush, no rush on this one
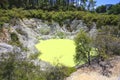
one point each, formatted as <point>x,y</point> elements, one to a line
<point>109,9</point>
<point>83,48</point>
<point>101,9</point>
<point>60,16</point>
<point>15,66</point>
<point>59,73</point>
<point>115,9</point>
<point>107,41</point>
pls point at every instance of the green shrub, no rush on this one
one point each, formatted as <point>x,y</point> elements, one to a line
<point>59,73</point>
<point>60,16</point>
<point>4,19</point>
<point>15,40</point>
<point>14,37</point>
<point>83,48</point>
<point>16,68</point>
<point>61,35</point>
<point>69,70</point>
<point>1,27</point>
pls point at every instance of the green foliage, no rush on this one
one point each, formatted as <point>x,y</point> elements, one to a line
<point>42,4</point>
<point>60,16</point>
<point>1,27</point>
<point>115,9</point>
<point>103,20</point>
<point>15,40</point>
<point>107,41</point>
<point>69,70</point>
<point>14,66</point>
<point>60,72</point>
<point>83,48</point>
<point>60,35</point>
<point>4,19</point>
<point>14,37</point>
<point>101,9</point>
<point>44,31</point>
<point>89,19</point>
<point>91,5</point>
<point>111,9</point>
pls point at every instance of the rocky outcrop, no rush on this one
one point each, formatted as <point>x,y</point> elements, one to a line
<point>5,48</point>
<point>47,30</point>
<point>27,36</point>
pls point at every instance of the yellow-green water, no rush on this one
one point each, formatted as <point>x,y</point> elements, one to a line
<point>57,51</point>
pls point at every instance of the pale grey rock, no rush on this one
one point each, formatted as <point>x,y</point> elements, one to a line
<point>4,48</point>
<point>44,66</point>
<point>93,32</point>
<point>27,36</point>
<point>47,31</point>
<point>119,78</point>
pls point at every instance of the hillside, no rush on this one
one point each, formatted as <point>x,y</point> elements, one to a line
<point>29,31</point>
<point>21,30</point>
<point>59,40</point>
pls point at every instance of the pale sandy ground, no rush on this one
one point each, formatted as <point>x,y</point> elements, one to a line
<point>94,74</point>
<point>90,76</point>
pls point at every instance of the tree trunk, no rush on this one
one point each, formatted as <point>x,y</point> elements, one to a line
<point>89,62</point>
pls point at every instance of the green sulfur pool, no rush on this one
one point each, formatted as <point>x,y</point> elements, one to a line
<point>57,51</point>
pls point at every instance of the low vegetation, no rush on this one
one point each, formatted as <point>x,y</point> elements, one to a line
<point>14,66</point>
<point>14,40</point>
<point>60,16</point>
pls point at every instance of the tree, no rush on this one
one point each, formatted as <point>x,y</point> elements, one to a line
<point>3,3</point>
<point>83,48</point>
<point>83,4</point>
<point>91,5</point>
<point>115,9</point>
<point>101,9</point>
